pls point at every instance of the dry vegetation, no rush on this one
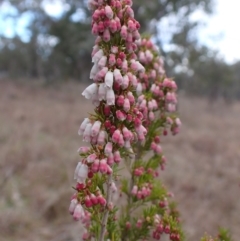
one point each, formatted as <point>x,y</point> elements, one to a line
<point>38,143</point>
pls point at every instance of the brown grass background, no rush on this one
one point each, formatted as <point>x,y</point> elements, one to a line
<point>38,143</point>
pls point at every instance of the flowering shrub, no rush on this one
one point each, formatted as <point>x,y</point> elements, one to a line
<point>135,107</point>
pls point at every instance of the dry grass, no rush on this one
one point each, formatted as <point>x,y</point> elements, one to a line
<point>38,143</point>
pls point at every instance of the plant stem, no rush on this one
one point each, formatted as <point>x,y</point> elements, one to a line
<point>106,212</point>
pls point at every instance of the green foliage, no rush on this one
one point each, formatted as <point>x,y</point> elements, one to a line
<point>224,235</point>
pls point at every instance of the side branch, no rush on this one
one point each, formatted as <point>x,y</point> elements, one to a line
<point>106,213</point>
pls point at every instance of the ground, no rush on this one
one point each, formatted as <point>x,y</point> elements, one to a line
<point>38,155</point>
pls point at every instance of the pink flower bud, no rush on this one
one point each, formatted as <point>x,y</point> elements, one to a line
<point>110,159</point>
<point>124,32</point>
<point>153,146</point>
<point>136,34</point>
<point>83,126</point>
<point>121,141</point>
<point>134,190</point>
<point>151,116</point>
<point>117,157</point>
<point>114,49</point>
<point>158,149</point>
<point>139,223</point>
<point>103,166</point>
<point>129,12</point>
<point>83,150</point>
<point>94,199</point>
<point>131,26</point>
<point>107,110</point>
<point>113,26</point>
<point>109,170</point>
<point>96,15</point>
<point>86,236</point>
<point>118,76</point>
<point>119,62</point>
<point>121,115</point>
<point>101,138</point>
<point>129,40</point>
<point>124,66</point>
<point>109,12</point>
<point>112,59</point>
<point>139,195</point>
<point>116,136</point>
<point>126,105</point>
<point>95,166</point>
<point>137,122</point>
<point>95,29</point>
<point>102,201</point>
<point>101,27</point>
<point>120,100</point>
<point>127,134</point>
<point>128,225</point>
<point>96,128</point>
<point>125,82</point>
<point>129,118</point>
<point>106,35</point>
<point>131,98</point>
<point>178,122</point>
<point>108,148</point>
<point>91,158</point>
<point>88,202</point>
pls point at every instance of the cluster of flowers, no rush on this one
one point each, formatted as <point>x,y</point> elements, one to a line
<point>117,121</point>
<point>159,92</point>
<point>161,228</point>
<point>156,100</point>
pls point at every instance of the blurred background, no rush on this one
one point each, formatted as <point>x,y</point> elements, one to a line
<point>45,49</point>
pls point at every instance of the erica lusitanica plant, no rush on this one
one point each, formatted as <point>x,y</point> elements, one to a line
<point>118,195</point>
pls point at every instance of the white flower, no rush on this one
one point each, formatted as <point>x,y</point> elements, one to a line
<point>73,205</point>
<point>102,62</point>
<point>95,100</point>
<point>81,172</point>
<point>90,91</point>
<point>87,133</point>
<point>96,57</point>
<point>140,67</point>
<point>94,71</point>
<point>139,89</point>
<point>109,79</point>
<point>83,126</point>
<point>78,212</point>
<point>102,92</point>
<point>110,97</point>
